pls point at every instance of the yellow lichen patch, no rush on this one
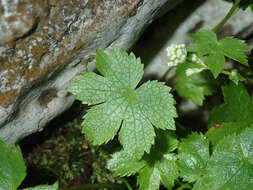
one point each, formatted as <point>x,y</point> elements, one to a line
<point>78,45</point>
<point>134,10</point>
<point>51,43</point>
<point>7,98</point>
<point>38,51</point>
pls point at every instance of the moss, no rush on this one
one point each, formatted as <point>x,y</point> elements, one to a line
<point>66,156</point>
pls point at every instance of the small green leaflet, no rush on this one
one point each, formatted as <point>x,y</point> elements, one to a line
<point>12,166</point>
<point>231,164</point>
<point>195,86</point>
<point>157,167</point>
<point>216,51</point>
<point>119,104</point>
<point>193,155</point>
<point>44,187</point>
<point>238,106</point>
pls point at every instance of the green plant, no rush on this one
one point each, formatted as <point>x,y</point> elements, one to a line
<point>215,160</point>
<point>120,106</point>
<point>155,147</point>
<point>204,160</point>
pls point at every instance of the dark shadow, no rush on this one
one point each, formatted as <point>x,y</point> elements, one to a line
<point>36,176</point>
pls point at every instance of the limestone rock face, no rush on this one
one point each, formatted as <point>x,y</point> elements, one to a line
<point>45,43</point>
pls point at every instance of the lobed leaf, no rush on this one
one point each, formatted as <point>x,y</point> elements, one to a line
<point>238,106</point>
<point>136,111</point>
<point>157,167</point>
<point>231,165</point>
<point>215,51</point>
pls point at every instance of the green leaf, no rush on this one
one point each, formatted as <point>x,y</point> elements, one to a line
<point>215,51</point>
<point>154,168</point>
<point>193,156</point>
<point>231,165</point>
<point>215,63</point>
<point>12,166</point>
<point>160,163</point>
<point>219,132</point>
<point>136,111</point>
<point>238,106</point>
<point>123,164</point>
<point>168,170</point>
<point>234,49</point>
<point>149,178</point>
<point>44,187</point>
<point>195,86</point>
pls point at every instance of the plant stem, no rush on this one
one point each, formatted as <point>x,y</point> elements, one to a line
<point>225,72</point>
<point>94,186</point>
<point>231,12</point>
<point>166,73</point>
<point>127,184</point>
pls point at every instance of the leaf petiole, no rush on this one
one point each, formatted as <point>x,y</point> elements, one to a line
<point>234,9</point>
<point>127,184</point>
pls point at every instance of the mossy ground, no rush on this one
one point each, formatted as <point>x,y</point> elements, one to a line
<point>62,153</point>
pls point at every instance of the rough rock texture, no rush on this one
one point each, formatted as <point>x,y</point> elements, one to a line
<point>189,17</point>
<point>42,43</point>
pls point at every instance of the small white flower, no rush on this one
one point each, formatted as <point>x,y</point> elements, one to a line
<point>177,54</point>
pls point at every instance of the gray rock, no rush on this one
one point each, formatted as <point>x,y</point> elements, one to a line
<point>42,45</point>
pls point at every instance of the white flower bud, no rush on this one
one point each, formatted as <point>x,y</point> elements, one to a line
<point>177,54</point>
